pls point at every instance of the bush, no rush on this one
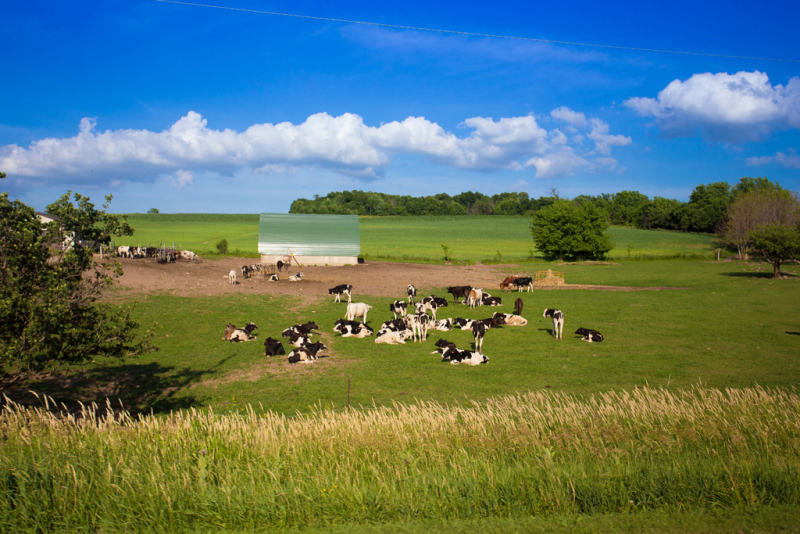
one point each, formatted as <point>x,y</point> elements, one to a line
<point>565,230</point>
<point>222,247</point>
<point>777,243</point>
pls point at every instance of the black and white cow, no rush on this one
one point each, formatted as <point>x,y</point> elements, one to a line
<point>342,289</point>
<point>296,277</point>
<point>443,344</point>
<point>558,321</point>
<point>359,330</point>
<point>457,356</point>
<point>395,325</point>
<point>306,353</point>
<point>443,325</point>
<point>244,334</point>
<point>478,331</point>
<point>299,340</point>
<point>273,278</point>
<point>489,300</point>
<point>302,329</point>
<point>463,324</point>
<point>340,323</point>
<point>524,281</point>
<point>393,338</point>
<point>246,272</point>
<point>273,347</point>
<point>418,324</point>
<point>412,294</point>
<point>398,307</point>
<point>592,336</point>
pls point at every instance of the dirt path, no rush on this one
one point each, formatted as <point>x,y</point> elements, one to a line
<point>380,279</point>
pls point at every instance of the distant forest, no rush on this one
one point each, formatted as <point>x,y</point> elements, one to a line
<point>705,210</point>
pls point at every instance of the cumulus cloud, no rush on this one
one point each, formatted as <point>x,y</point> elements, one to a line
<point>343,144</point>
<point>726,107</point>
<point>792,160</point>
<point>570,117</point>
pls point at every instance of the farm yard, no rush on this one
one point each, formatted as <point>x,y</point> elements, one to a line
<point>687,405</point>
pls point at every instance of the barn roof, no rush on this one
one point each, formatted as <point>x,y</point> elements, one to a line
<point>309,235</point>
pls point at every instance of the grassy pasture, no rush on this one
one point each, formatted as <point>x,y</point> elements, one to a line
<point>408,238</point>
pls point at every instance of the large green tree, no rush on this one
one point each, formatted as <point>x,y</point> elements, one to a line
<point>570,230</point>
<point>777,243</point>
<point>49,285</point>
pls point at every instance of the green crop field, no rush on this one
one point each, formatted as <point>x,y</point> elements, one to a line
<point>408,238</point>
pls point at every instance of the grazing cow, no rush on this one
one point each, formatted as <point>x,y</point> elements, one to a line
<point>507,282</point>
<point>459,291</point>
<point>226,335</point>
<point>232,277</point>
<point>273,347</point>
<point>393,338</point>
<point>443,325</point>
<point>246,271</point>
<point>244,334</point>
<point>302,329</point>
<point>398,307</point>
<point>395,325</point>
<point>518,305</point>
<point>273,278</point>
<point>296,277</point>
<point>510,319</point>
<point>475,298</point>
<point>412,294</point>
<point>457,356</point>
<point>358,309</point>
<point>338,291</point>
<point>558,321</point>
<point>526,282</point>
<point>592,336</point>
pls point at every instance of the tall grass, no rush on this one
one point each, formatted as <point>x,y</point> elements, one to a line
<point>532,454</point>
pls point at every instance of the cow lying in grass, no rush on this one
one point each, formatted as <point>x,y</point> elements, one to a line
<point>302,329</point>
<point>352,329</point>
<point>511,319</point>
<point>298,340</point>
<point>489,300</point>
<point>307,353</point>
<point>393,338</point>
<point>592,336</point>
<point>273,347</point>
<point>463,324</point>
<point>443,344</point>
<point>558,321</point>
<point>240,334</point>
<point>395,325</point>
<point>457,356</point>
<point>443,325</point>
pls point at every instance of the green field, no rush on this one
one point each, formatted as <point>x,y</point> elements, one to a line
<point>409,238</point>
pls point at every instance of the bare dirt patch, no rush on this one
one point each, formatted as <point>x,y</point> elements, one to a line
<point>379,279</point>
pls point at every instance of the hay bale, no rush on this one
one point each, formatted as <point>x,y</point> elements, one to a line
<point>549,278</point>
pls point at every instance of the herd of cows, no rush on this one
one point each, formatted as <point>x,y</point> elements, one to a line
<point>163,254</point>
<point>411,322</point>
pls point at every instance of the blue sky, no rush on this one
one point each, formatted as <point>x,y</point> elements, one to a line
<point>192,109</point>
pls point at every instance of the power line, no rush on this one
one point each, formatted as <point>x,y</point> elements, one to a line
<point>475,34</point>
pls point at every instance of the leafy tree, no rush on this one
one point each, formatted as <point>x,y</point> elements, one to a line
<point>565,230</point>
<point>755,209</point>
<point>777,243</point>
<point>707,207</point>
<point>153,211</point>
<point>748,185</point>
<point>49,284</point>
<point>222,246</point>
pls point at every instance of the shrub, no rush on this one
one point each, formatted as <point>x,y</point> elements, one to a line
<point>222,247</point>
<point>565,230</point>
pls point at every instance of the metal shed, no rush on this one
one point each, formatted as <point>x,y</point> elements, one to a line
<point>313,239</point>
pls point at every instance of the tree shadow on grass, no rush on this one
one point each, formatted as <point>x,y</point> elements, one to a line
<point>142,388</point>
<point>793,333</point>
<point>746,274</point>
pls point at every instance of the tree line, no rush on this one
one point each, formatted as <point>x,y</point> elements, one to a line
<point>704,212</point>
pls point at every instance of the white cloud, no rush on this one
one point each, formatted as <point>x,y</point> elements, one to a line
<point>791,160</point>
<point>728,107</point>
<point>343,144</point>
<point>762,160</point>
<point>521,185</point>
<point>565,114</point>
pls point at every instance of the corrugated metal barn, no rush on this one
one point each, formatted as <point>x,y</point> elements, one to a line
<point>313,239</point>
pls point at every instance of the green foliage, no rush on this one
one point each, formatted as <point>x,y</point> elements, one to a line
<point>153,211</point>
<point>49,282</point>
<point>565,230</point>
<point>447,254</point>
<point>222,246</point>
<point>777,243</point>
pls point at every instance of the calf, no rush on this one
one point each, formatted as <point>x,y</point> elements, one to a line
<point>526,282</point>
<point>558,321</point>
<point>478,331</point>
<point>489,300</point>
<point>339,325</point>
<point>232,277</point>
<point>273,347</point>
<point>412,294</point>
<point>459,291</point>
<point>443,325</point>
<point>398,307</point>
<point>510,319</point>
<point>302,329</point>
<point>393,338</point>
<point>244,334</point>
<point>315,348</point>
<point>230,329</point>
<point>299,340</point>
<point>475,298</point>
<point>302,355</point>
<point>463,324</point>
<point>296,277</point>
<point>493,322</point>
<point>457,356</point>
<point>518,305</point>
<point>507,282</point>
<point>273,278</point>
<point>246,271</point>
<point>358,309</point>
<point>592,336</point>
<point>359,330</point>
<point>343,289</point>
<point>443,344</point>
<point>395,325</point>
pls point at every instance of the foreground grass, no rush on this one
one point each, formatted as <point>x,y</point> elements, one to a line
<point>534,454</point>
<point>408,238</point>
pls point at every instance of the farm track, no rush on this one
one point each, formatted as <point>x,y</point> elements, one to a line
<point>377,279</point>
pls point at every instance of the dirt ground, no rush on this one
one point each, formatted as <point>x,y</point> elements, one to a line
<point>380,279</point>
